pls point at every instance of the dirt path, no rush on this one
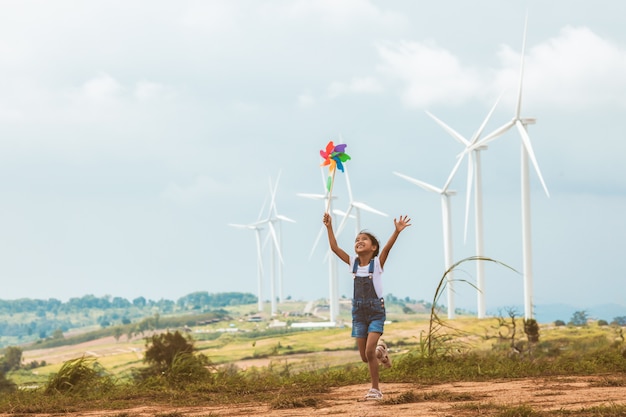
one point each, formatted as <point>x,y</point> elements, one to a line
<point>453,399</point>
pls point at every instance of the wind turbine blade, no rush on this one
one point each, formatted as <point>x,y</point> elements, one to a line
<point>262,208</point>
<point>365,207</point>
<point>518,107</point>
<point>493,135</point>
<point>317,240</point>
<point>342,213</point>
<point>456,135</point>
<point>482,126</point>
<point>312,196</point>
<point>419,183</point>
<point>272,207</point>
<point>239,226</point>
<point>531,153</point>
<point>276,242</point>
<point>285,218</point>
<point>345,172</point>
<point>344,221</point>
<point>470,177</point>
<point>258,249</point>
<point>273,191</point>
<point>453,172</point>
<point>267,239</point>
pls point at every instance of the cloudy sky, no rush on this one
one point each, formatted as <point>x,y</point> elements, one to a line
<point>133,133</point>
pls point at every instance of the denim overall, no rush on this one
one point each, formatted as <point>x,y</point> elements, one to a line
<point>368,310</point>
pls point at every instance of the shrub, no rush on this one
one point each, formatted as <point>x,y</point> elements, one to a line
<point>531,328</point>
<point>5,384</point>
<point>79,375</point>
<point>171,356</point>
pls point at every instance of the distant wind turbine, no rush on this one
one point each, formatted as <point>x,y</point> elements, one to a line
<point>259,256</point>
<point>273,221</point>
<point>526,154</point>
<point>445,194</point>
<point>474,172</point>
<point>333,285</point>
<point>357,206</point>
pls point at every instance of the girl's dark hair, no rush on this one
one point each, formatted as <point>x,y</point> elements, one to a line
<point>373,239</point>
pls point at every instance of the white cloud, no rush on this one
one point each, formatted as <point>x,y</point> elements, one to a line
<point>211,16</point>
<point>577,69</point>
<point>101,89</point>
<point>367,85</point>
<point>432,74</point>
<point>306,100</point>
<point>146,90</point>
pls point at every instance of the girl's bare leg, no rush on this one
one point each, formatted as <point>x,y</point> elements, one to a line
<point>367,350</point>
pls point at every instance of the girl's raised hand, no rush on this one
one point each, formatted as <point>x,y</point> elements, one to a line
<point>402,223</point>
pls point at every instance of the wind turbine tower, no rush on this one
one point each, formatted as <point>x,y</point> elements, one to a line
<point>445,194</point>
<point>527,154</point>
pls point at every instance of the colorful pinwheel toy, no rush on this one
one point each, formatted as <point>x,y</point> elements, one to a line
<point>334,156</point>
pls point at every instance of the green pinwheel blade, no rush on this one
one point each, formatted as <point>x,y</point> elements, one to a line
<point>343,157</point>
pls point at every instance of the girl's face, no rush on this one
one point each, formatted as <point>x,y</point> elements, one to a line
<point>363,244</point>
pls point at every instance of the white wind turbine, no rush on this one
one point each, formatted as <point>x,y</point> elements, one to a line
<point>357,206</point>
<point>259,261</point>
<point>526,154</point>
<point>273,221</point>
<point>445,194</point>
<point>474,172</point>
<point>333,285</point>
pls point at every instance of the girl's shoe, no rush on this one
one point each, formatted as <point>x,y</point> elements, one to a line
<point>374,394</point>
<point>382,353</point>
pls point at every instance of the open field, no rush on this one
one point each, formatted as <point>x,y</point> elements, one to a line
<point>246,346</point>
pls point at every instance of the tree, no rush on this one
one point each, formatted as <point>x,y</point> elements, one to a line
<point>139,302</point>
<point>172,361</point>
<point>12,359</point>
<point>117,333</point>
<point>161,349</point>
<point>579,318</point>
<point>620,321</point>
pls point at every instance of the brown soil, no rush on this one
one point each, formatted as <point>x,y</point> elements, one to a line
<point>452,399</point>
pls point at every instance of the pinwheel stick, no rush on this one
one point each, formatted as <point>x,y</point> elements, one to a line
<point>330,190</point>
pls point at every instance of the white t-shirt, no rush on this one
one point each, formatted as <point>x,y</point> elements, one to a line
<point>364,271</point>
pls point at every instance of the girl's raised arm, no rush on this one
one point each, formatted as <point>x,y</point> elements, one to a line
<point>327,220</point>
<point>402,223</point>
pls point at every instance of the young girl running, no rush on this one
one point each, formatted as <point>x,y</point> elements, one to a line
<point>368,305</point>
